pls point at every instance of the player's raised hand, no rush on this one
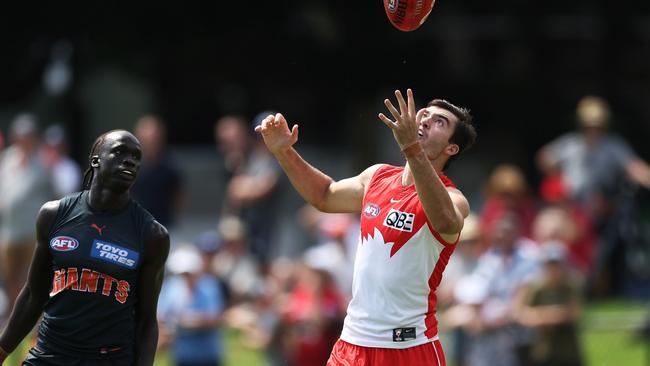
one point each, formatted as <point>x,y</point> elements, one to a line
<point>403,124</point>
<point>276,134</point>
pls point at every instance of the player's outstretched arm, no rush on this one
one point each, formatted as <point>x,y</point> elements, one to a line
<point>446,208</point>
<point>149,283</point>
<point>35,293</point>
<point>314,186</point>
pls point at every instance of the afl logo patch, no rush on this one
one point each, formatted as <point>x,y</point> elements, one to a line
<point>64,243</point>
<point>371,211</point>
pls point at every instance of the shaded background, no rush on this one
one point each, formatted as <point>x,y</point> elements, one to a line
<point>520,66</point>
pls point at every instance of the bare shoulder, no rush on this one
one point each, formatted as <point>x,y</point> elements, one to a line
<point>157,242</point>
<point>459,200</point>
<point>50,207</point>
<point>157,232</point>
<point>47,215</point>
<point>368,173</point>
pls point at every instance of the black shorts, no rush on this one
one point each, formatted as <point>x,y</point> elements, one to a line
<point>45,356</point>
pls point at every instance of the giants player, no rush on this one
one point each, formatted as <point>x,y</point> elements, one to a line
<point>96,271</point>
<point>411,218</point>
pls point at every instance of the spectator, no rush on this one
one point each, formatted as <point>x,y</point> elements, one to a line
<point>551,306</point>
<point>252,176</point>
<point>500,274</point>
<point>565,221</point>
<point>597,167</point>
<point>508,191</point>
<point>24,186</point>
<point>159,187</point>
<point>190,309</point>
<point>260,320</point>
<point>234,265</point>
<point>208,243</point>
<point>314,314</point>
<point>591,161</point>
<point>65,172</point>
<point>332,253</point>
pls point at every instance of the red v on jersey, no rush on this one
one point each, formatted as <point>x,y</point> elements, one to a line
<point>393,209</point>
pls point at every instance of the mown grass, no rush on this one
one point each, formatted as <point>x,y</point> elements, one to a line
<point>609,338</point>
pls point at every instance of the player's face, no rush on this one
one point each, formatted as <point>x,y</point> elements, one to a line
<point>119,162</point>
<point>436,126</point>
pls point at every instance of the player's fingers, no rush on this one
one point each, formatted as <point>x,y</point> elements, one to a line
<point>279,118</point>
<point>294,133</point>
<point>402,103</point>
<point>258,128</point>
<point>267,121</point>
<point>391,109</point>
<point>411,101</point>
<point>387,121</point>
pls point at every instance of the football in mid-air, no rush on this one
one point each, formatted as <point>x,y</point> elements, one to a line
<point>408,15</point>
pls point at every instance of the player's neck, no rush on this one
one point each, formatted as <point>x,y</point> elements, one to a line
<point>103,199</point>
<point>407,175</point>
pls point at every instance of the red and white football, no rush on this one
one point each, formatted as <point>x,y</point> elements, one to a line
<point>408,15</point>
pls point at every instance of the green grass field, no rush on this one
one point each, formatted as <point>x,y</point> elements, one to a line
<point>609,334</point>
<point>608,339</point>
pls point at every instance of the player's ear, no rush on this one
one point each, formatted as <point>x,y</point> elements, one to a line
<point>452,149</point>
<point>94,161</point>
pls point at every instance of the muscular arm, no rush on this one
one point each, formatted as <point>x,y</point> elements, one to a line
<point>149,283</point>
<point>446,208</point>
<point>35,293</point>
<point>314,186</point>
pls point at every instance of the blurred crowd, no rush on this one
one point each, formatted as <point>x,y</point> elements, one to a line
<point>527,259</point>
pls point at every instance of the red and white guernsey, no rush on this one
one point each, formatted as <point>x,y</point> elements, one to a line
<point>398,266</point>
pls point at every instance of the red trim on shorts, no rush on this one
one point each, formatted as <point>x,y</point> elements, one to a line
<point>437,347</point>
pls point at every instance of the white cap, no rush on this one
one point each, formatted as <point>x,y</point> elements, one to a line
<point>185,259</point>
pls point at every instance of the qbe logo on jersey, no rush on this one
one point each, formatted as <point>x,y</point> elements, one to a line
<point>402,221</point>
<point>114,254</point>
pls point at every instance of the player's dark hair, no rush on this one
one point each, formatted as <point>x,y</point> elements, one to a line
<point>464,134</point>
<point>90,172</point>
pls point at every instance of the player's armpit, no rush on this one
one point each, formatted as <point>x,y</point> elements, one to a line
<point>461,208</point>
<point>346,195</point>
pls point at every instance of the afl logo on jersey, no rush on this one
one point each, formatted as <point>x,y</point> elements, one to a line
<point>64,243</point>
<point>371,211</point>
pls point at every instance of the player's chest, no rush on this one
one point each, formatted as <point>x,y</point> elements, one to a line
<point>96,244</point>
<point>396,214</point>
<point>393,209</point>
